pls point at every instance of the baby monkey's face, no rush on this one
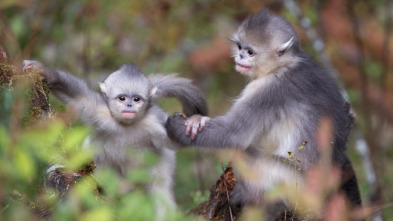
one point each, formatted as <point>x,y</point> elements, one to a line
<point>127,94</point>
<point>127,107</point>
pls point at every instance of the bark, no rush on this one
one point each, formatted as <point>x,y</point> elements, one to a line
<point>62,180</point>
<point>217,207</point>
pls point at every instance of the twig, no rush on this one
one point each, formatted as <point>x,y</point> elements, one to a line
<point>295,162</point>
<point>297,183</point>
<point>226,188</point>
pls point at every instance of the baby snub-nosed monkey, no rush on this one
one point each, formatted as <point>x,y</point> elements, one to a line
<point>124,117</point>
<point>280,108</point>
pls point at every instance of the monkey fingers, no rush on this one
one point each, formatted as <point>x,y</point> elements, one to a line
<point>34,66</point>
<point>194,124</point>
<point>204,120</point>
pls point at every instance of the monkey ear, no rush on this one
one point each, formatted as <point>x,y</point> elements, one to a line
<point>103,87</point>
<point>153,91</point>
<point>285,47</point>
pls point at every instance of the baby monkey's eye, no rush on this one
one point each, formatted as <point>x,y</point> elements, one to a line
<point>122,98</point>
<point>250,52</point>
<point>137,99</point>
<point>239,46</point>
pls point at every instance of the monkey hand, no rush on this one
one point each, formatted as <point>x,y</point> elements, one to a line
<point>194,124</point>
<point>34,66</point>
<point>175,129</point>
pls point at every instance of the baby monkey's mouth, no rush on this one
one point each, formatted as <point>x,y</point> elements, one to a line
<point>242,68</point>
<point>128,114</point>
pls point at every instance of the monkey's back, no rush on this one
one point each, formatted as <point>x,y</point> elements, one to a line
<point>319,96</point>
<point>290,105</point>
<point>322,92</point>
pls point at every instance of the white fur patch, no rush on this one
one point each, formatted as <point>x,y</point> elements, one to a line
<point>253,87</point>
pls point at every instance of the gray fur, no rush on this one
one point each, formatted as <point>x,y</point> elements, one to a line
<point>279,109</point>
<point>191,98</point>
<point>114,135</point>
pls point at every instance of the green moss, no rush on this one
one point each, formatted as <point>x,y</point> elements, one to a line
<point>6,73</point>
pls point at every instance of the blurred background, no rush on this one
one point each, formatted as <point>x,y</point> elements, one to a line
<point>91,39</point>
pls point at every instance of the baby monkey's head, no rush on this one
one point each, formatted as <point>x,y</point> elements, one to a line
<point>128,94</point>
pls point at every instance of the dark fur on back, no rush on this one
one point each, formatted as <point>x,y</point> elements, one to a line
<point>322,93</point>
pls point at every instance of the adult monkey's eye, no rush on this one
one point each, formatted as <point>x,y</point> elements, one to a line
<point>122,98</point>
<point>250,52</point>
<point>239,46</point>
<point>137,99</point>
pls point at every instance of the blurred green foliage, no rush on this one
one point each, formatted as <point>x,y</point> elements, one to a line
<point>373,69</point>
<point>23,163</point>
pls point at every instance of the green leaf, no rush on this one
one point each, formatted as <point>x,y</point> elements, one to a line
<point>286,161</point>
<point>302,146</point>
<point>18,26</point>
<point>354,96</point>
<point>109,180</point>
<point>24,164</point>
<point>75,137</point>
<point>136,206</point>
<point>78,159</point>
<point>140,175</point>
<point>373,69</point>
<point>4,140</point>
<point>150,158</point>
<point>98,214</point>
